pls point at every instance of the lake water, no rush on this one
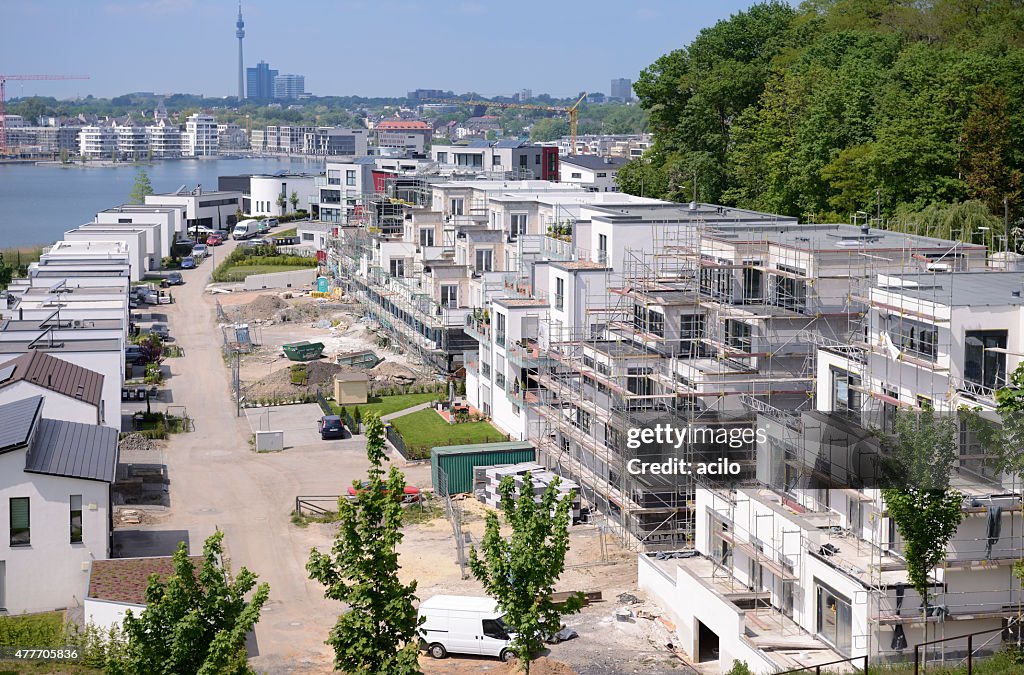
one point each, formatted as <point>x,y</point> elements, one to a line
<point>38,204</point>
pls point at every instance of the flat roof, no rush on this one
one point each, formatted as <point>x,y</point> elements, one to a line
<point>959,289</point>
<point>833,237</point>
<point>64,344</point>
<point>520,302</point>
<point>476,448</point>
<point>569,265</point>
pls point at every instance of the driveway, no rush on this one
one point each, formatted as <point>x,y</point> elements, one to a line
<point>298,422</point>
<point>217,481</point>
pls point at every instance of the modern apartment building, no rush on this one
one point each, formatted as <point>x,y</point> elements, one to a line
<point>335,142</point>
<point>411,135</point>
<point>595,174</point>
<point>97,141</point>
<point>289,86</point>
<point>200,139</point>
<point>518,159</point>
<point>164,140</point>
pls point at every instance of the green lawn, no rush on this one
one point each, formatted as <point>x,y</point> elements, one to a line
<point>290,232</point>
<point>240,272</point>
<point>426,429</point>
<point>36,630</point>
<point>388,404</point>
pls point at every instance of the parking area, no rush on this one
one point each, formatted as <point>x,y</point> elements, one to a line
<point>299,424</point>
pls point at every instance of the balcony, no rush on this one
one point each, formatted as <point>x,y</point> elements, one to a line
<point>526,353</point>
<point>478,329</point>
<point>524,398</point>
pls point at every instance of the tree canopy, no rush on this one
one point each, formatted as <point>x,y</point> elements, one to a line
<point>842,106</point>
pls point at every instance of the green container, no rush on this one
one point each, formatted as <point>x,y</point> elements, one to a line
<point>458,461</point>
<point>303,351</point>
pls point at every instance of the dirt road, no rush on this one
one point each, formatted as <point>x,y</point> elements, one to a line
<point>218,482</point>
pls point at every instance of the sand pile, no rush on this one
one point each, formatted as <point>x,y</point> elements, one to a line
<point>278,384</point>
<point>263,308</point>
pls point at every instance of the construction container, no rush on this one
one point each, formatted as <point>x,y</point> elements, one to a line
<point>458,461</point>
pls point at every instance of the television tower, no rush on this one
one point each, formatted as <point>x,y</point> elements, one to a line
<point>240,33</point>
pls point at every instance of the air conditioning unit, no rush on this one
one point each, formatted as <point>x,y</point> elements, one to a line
<point>77,323</point>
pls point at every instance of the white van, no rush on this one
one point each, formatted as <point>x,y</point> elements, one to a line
<point>461,624</point>
<point>246,229</point>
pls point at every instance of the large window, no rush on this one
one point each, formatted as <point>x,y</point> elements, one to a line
<point>76,519</point>
<point>691,330</point>
<point>333,177</point>
<point>457,206</point>
<point>426,236</point>
<point>752,286</point>
<point>602,248</point>
<point>790,293</point>
<point>835,619</point>
<point>484,260</point>
<point>449,295</point>
<point>21,534</point>
<point>397,267</point>
<point>917,339</point>
<point>559,293</point>
<point>648,321</point>
<point>845,397</point>
<point>499,329</point>
<point>518,225</point>
<point>982,366</point>
<point>350,178</point>
<point>737,335</point>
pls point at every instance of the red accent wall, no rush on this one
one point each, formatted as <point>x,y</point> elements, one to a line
<point>549,164</point>
<point>380,180</point>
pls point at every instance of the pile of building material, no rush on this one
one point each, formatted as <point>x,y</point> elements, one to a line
<point>486,480</point>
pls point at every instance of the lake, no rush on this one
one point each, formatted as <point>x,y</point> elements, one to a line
<point>38,204</point>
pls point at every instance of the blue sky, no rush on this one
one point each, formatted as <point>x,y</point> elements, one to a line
<point>360,47</point>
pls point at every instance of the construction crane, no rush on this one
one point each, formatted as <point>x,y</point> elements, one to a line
<point>572,112</point>
<point>3,98</point>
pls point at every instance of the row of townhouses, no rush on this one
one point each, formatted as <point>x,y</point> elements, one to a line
<point>578,315</point>
<point>163,140</point>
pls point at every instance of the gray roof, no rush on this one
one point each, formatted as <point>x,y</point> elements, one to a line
<point>594,162</point>
<point>511,143</point>
<point>16,422</point>
<point>962,289</point>
<point>50,372</point>
<point>74,450</point>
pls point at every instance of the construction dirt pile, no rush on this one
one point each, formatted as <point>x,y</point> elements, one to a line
<point>389,373</point>
<point>263,308</point>
<point>278,384</point>
<point>136,442</point>
<point>540,666</point>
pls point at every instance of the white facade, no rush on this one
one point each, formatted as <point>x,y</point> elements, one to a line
<point>216,210</point>
<point>132,142</point>
<point>134,240</point>
<point>593,176</point>
<point>97,141</point>
<point>265,191</point>
<point>165,140</point>
<point>201,138</point>
<point>169,219</point>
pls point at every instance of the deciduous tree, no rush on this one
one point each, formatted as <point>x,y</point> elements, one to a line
<point>379,631</point>
<point>141,188</point>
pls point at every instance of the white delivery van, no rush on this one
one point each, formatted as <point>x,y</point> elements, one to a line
<point>246,229</point>
<point>461,624</point>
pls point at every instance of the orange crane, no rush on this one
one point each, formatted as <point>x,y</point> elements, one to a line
<point>3,98</point>
<point>572,111</point>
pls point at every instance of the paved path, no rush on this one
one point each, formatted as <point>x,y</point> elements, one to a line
<point>406,411</point>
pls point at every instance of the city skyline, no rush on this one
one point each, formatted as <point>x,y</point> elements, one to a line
<point>597,48</point>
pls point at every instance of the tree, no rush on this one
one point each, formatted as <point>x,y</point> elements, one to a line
<point>925,509</point>
<point>294,199</point>
<point>520,571</point>
<point>141,188</point>
<point>380,631</point>
<point>987,161</point>
<point>549,129</point>
<point>195,621</point>
<point>282,203</point>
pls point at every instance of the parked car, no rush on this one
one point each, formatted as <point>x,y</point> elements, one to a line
<point>173,279</point>
<point>330,426</point>
<point>200,251</point>
<point>460,624</point>
<point>246,229</point>
<point>262,227</point>
<point>215,239</point>
<point>410,494</point>
<point>271,222</point>
<point>188,263</point>
<point>158,329</point>
<point>136,355</point>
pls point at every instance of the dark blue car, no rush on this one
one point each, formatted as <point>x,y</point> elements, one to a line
<point>331,427</point>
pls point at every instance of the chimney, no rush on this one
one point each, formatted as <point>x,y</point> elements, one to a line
<point>865,229</point>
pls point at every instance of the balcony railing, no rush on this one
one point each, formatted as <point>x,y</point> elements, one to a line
<point>524,398</point>
<point>525,354</point>
<point>478,329</point>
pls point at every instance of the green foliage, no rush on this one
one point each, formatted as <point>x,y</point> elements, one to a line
<point>43,630</point>
<point>294,200</point>
<point>195,621</point>
<point>520,571</point>
<point>840,106</point>
<point>549,129</point>
<point>298,373</point>
<point>926,511</point>
<point>379,632</point>
<point>141,188</point>
<point>739,668</point>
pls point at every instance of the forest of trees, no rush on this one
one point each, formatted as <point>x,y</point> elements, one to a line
<point>910,108</point>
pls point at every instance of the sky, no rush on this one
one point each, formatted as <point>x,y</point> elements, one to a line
<point>345,47</point>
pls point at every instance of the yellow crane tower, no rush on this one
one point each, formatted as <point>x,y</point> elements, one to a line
<point>572,112</point>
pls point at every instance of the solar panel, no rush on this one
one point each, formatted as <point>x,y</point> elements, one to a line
<point>6,372</point>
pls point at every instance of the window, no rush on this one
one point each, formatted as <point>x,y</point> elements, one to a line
<point>981,365</point>
<point>397,267</point>
<point>457,206</point>
<point>523,161</point>
<point>495,628</point>
<point>442,158</point>
<point>76,519</point>
<point>602,248</point>
<point>496,160</point>
<point>918,339</point>
<point>559,293</point>
<point>602,174</point>
<point>845,397</point>
<point>449,295</point>
<point>752,291</point>
<point>350,178</point>
<point>737,335</point>
<point>790,293</point>
<point>499,329</point>
<point>20,531</point>
<point>307,236</point>
<point>648,321</point>
<point>577,174</point>
<point>333,177</point>
<point>484,260</point>
<point>834,619</point>
<point>691,329</point>
<point>426,236</point>
<point>536,159</point>
<point>518,224</point>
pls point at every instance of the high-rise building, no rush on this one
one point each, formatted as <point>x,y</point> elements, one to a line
<point>622,89</point>
<point>289,86</point>
<point>200,136</point>
<point>240,33</point>
<point>260,81</point>
<point>523,95</point>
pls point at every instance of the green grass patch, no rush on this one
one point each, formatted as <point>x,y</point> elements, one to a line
<point>426,429</point>
<point>385,405</point>
<point>290,232</point>
<point>1002,663</point>
<point>239,273</point>
<point>299,374</point>
<point>35,630</point>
